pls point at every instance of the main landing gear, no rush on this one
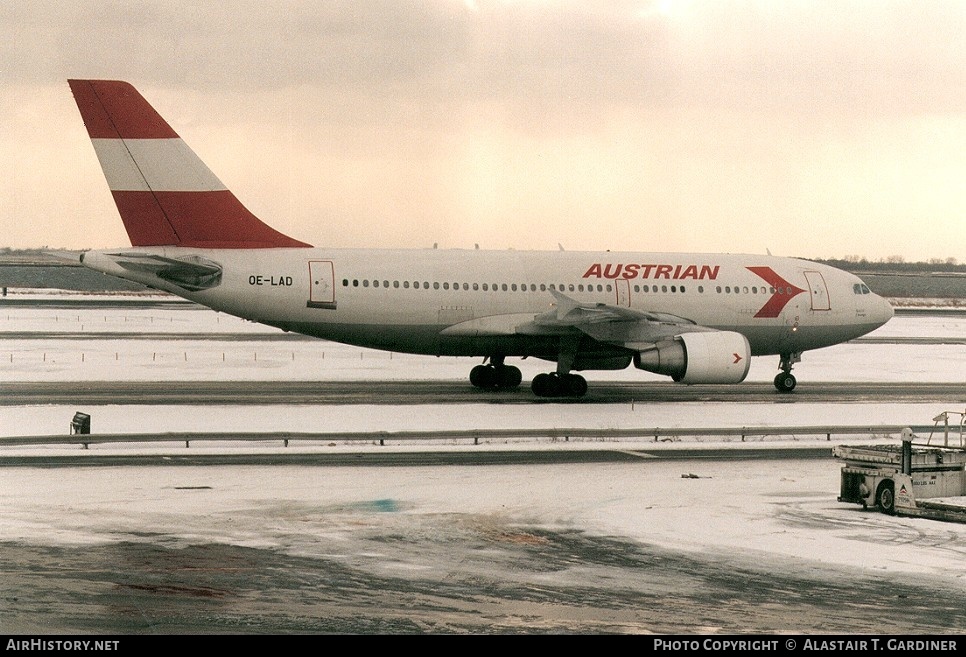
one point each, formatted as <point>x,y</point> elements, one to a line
<point>785,381</point>
<point>559,385</point>
<point>562,383</point>
<point>495,375</point>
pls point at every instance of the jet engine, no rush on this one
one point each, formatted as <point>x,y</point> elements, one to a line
<point>699,357</point>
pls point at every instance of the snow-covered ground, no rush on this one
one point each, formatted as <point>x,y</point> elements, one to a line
<point>107,350</point>
<point>784,511</point>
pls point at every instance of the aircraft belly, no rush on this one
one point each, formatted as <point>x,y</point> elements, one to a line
<point>772,340</point>
<point>422,339</point>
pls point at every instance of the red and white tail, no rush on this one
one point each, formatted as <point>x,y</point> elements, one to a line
<point>165,194</point>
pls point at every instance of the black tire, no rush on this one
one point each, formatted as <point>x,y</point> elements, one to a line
<point>574,385</point>
<point>482,376</point>
<point>545,385</point>
<point>785,382</point>
<point>509,377</point>
<point>885,498</point>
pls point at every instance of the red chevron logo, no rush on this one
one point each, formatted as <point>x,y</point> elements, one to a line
<point>784,291</point>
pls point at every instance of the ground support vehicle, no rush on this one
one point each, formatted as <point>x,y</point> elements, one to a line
<point>905,480</point>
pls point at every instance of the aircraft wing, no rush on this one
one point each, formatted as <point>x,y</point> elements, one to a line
<point>634,329</point>
<point>617,325</point>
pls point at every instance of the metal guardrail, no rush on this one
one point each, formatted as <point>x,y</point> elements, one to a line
<point>469,435</point>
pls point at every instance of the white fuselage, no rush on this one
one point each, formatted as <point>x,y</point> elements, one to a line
<point>472,302</point>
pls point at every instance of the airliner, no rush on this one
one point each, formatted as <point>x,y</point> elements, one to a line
<point>696,318</point>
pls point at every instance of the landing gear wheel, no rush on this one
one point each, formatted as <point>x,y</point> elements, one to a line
<point>482,376</point>
<point>785,382</point>
<point>495,377</point>
<point>554,385</point>
<point>574,385</point>
<point>544,385</point>
<point>885,498</point>
<point>510,377</point>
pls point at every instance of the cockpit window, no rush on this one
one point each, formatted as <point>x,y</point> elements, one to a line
<point>861,288</point>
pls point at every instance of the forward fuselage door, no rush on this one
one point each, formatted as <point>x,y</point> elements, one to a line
<point>322,284</point>
<point>818,291</point>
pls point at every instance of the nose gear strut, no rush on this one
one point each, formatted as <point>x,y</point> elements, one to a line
<point>785,381</point>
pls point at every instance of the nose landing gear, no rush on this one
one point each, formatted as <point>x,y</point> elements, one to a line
<point>785,381</point>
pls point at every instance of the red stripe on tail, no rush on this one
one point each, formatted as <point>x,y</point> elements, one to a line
<point>113,109</point>
<point>198,219</point>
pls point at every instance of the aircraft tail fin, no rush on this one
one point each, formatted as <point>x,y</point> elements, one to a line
<point>165,194</point>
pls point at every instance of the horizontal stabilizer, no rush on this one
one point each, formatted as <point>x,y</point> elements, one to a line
<point>192,273</point>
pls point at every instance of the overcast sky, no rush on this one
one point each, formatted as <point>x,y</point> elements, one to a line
<point>815,129</point>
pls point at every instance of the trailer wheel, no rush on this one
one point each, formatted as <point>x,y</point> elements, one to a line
<point>886,497</point>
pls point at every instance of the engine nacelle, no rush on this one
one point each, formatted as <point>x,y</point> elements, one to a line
<point>705,357</point>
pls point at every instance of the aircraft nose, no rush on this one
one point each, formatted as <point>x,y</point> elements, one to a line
<point>883,311</point>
